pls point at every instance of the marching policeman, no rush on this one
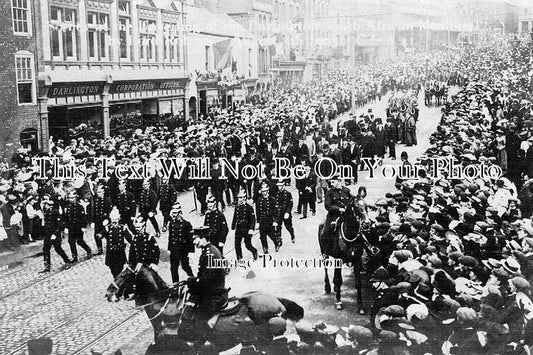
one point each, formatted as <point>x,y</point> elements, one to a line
<point>115,234</point>
<point>125,202</point>
<point>267,217</point>
<point>284,207</point>
<point>51,229</point>
<point>243,224</point>
<point>216,221</point>
<point>335,201</point>
<point>101,209</point>
<point>207,290</point>
<point>179,243</point>
<point>75,219</point>
<point>167,197</point>
<point>148,205</point>
<point>144,248</point>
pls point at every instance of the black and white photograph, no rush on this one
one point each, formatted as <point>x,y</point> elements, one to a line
<point>266,177</point>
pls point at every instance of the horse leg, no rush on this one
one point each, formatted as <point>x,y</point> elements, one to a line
<point>327,286</point>
<point>337,283</point>
<point>359,285</point>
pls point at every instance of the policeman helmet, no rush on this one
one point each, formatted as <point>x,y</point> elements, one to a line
<point>211,200</point>
<point>176,209</point>
<point>264,188</point>
<point>139,223</point>
<point>114,215</point>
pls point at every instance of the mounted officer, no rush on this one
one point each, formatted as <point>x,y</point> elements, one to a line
<point>180,243</point>
<point>115,234</point>
<point>208,293</point>
<point>336,201</point>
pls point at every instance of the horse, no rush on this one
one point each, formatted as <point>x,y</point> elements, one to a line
<point>255,318</point>
<point>347,242</point>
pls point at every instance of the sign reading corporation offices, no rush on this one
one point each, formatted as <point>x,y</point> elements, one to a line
<point>97,88</point>
<point>119,87</point>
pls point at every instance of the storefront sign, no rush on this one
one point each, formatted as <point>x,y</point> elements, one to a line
<point>75,89</point>
<point>145,85</point>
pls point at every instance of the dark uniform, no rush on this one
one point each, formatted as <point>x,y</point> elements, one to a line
<point>51,225</point>
<point>333,201</point>
<point>208,288</point>
<point>284,205</point>
<point>75,218</point>
<point>167,197</point>
<point>179,245</point>
<point>147,204</point>
<point>115,256</point>
<point>243,222</point>
<point>218,228</point>
<point>126,207</point>
<point>101,208</point>
<point>267,214</point>
<point>144,249</point>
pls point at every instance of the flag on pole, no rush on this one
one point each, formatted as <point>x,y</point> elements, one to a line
<point>222,53</point>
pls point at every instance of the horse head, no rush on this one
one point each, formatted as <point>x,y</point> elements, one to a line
<point>135,281</point>
<point>352,221</point>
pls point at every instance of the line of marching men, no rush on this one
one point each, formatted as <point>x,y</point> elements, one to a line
<point>121,220</point>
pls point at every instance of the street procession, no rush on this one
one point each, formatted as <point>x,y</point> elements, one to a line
<point>266,177</point>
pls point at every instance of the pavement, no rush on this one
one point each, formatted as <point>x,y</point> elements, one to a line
<point>69,307</point>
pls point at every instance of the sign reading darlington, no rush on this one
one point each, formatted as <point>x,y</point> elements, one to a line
<point>74,89</point>
<point>132,86</point>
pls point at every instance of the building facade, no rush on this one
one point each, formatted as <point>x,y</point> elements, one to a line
<point>219,81</point>
<point>20,58</point>
<point>111,66</point>
<point>525,18</point>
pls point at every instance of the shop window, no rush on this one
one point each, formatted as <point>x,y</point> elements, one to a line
<point>171,42</point>
<point>98,35</point>
<point>64,33</point>
<point>21,17</point>
<point>147,31</point>
<point>25,78</point>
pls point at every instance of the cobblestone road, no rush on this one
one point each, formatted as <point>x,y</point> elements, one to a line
<point>68,306</point>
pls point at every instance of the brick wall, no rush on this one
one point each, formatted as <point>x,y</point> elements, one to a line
<point>13,118</point>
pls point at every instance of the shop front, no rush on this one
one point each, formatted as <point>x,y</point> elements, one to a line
<point>75,110</point>
<point>99,109</point>
<point>209,95</point>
